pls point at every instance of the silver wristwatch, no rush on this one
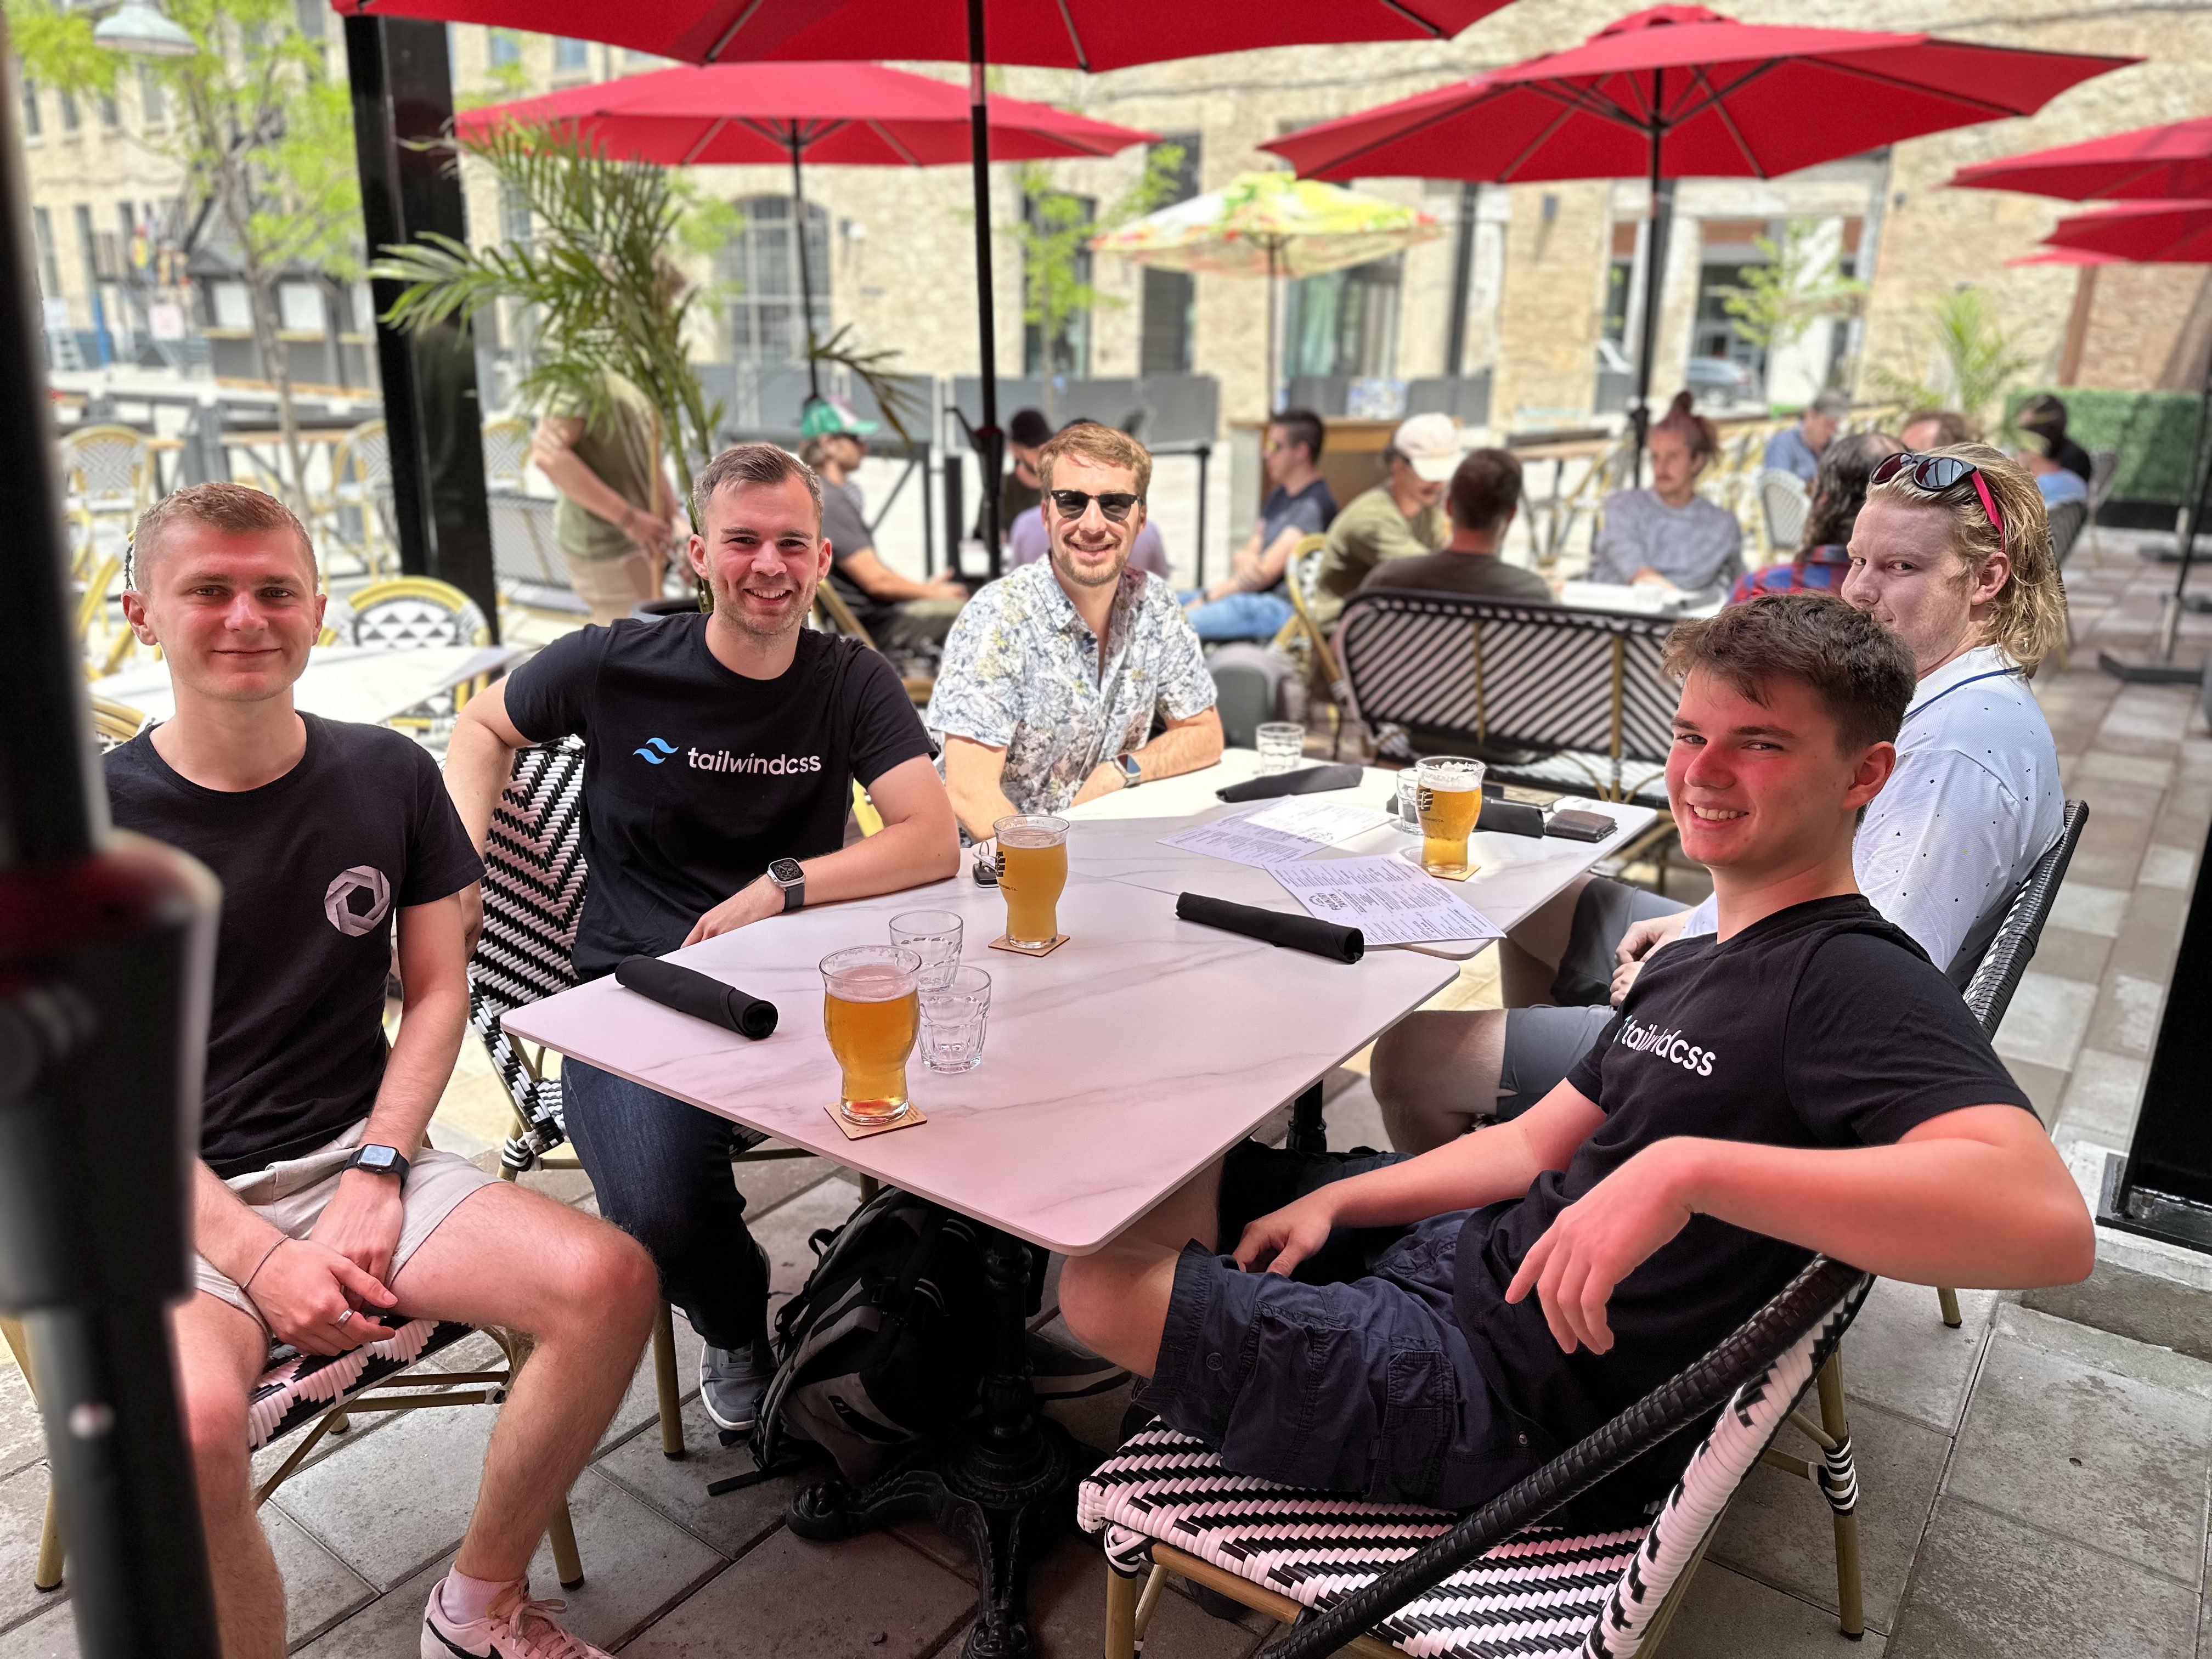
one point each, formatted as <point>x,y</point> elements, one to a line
<point>1132,774</point>
<point>788,874</point>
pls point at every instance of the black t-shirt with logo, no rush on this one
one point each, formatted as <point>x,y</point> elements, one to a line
<point>694,777</point>
<point>312,866</point>
<point>1819,1026</point>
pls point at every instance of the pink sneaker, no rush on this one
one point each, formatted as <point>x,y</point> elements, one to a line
<point>516,1628</point>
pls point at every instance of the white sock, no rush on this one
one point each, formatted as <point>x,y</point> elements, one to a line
<point>466,1600</point>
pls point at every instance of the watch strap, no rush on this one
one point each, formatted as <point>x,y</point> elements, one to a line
<point>399,1166</point>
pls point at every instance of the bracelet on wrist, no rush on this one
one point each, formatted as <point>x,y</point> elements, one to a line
<point>246,1285</point>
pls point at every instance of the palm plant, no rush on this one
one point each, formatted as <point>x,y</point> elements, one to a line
<point>1980,357</point>
<point>596,273</point>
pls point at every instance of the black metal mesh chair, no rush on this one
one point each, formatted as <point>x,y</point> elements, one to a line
<point>1385,1580</point>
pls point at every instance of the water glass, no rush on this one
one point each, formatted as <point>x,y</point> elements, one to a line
<point>1282,746</point>
<point>933,936</point>
<point>954,1017</point>
<point>1409,807</point>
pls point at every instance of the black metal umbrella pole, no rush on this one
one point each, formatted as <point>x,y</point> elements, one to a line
<point>989,442</point>
<point>106,957</point>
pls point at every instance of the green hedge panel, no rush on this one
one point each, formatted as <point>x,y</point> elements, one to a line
<point>2155,433</point>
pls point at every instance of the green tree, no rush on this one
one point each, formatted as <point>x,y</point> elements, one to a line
<point>1053,234</point>
<point>1798,280</point>
<point>263,138</point>
<point>1976,358</point>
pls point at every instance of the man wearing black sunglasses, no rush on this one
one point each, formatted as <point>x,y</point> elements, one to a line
<point>1052,677</point>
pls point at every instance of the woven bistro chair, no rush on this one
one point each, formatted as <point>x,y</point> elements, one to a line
<point>358,514</point>
<point>1387,1580</point>
<point>321,1392</point>
<point>1304,633</point>
<point>533,895</point>
<point>107,474</point>
<point>407,613</point>
<point>506,451</point>
<point>1784,504</point>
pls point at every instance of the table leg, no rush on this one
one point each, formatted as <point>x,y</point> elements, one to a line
<point>1002,1485</point>
<point>1308,1133</point>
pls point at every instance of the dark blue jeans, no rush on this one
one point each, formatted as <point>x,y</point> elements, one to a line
<point>661,1170</point>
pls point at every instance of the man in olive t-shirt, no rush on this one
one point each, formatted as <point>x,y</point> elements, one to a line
<point>1400,518</point>
<point>1483,497</point>
<point>617,518</point>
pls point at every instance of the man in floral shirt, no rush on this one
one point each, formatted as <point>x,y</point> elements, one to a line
<point>1052,676</point>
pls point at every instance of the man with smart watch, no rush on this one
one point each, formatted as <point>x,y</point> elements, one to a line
<point>321,1216</point>
<point>722,753</point>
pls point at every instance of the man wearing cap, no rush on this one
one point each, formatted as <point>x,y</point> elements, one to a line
<point>1399,518</point>
<point>899,613</point>
<point>1797,449</point>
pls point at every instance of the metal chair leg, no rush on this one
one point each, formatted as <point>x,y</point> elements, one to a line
<point>664,1377</point>
<point>1839,1484</point>
<point>48,1574</point>
<point>1947,1299</point>
<point>568,1565</point>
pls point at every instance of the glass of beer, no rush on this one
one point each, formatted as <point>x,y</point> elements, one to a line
<point>1447,791</point>
<point>1032,870</point>
<point>871,1012</point>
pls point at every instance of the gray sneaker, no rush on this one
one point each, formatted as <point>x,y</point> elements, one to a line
<point>732,1382</point>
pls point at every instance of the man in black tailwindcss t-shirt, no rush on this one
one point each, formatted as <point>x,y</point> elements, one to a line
<point>721,751</point>
<point>1430,1329</point>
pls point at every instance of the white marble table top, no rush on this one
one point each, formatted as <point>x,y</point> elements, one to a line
<point>368,683</point>
<point>1116,1068</point>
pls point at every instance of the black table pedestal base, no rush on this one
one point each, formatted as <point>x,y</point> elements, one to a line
<point>1003,1485</point>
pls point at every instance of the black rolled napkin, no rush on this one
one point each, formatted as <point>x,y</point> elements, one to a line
<point>689,992</point>
<point>1308,933</point>
<point>1306,781</point>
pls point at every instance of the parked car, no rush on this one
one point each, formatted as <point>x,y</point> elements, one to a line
<point>1718,380</point>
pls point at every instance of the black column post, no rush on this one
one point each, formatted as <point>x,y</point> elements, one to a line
<point>403,97</point>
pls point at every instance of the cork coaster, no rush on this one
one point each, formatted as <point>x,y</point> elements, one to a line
<point>1002,943</point>
<point>1412,856</point>
<point>861,1132</point>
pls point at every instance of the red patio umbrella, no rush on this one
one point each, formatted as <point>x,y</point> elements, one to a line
<point>1680,92</point>
<point>1092,36</point>
<point>2140,233</point>
<point>845,114</point>
<point>2172,162</point>
<point>2081,257</point>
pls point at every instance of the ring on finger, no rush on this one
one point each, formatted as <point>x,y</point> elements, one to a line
<point>341,1320</point>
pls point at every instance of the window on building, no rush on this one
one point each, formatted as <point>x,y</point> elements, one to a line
<point>1620,280</point>
<point>1730,245</point>
<point>1068,350</point>
<point>1169,305</point>
<point>515,226</point>
<point>231,305</point>
<point>50,268</point>
<point>571,57</point>
<point>153,101</point>
<point>31,124</point>
<point>111,112</point>
<point>505,48</point>
<point>70,122</point>
<point>310,16</point>
<point>302,309</point>
<point>126,221</point>
<point>1345,322</point>
<point>88,245</point>
<point>760,263</point>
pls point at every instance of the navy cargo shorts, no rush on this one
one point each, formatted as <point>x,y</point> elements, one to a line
<point>1353,1375</point>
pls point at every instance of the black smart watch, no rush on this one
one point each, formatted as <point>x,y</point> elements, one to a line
<point>787,874</point>
<point>379,1160</point>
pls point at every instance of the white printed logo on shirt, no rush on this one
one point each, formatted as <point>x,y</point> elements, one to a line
<point>357,900</point>
<point>1667,1045</point>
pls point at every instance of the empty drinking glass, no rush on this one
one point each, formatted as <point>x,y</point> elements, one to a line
<point>933,935</point>
<point>954,1016</point>
<point>1282,746</point>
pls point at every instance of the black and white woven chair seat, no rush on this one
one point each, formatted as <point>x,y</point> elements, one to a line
<point>297,1388</point>
<point>1542,1589</point>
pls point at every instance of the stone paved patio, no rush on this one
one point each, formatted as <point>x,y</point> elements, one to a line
<point>2033,1484</point>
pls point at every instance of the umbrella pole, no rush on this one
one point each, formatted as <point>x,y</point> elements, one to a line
<point>1655,265</point>
<point>986,437</point>
<point>1273,378</point>
<point>806,280</point>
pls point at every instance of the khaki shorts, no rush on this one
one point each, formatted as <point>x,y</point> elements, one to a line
<point>612,586</point>
<point>291,1194</point>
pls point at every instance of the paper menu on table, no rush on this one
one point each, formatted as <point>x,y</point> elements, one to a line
<point>1386,898</point>
<point>1324,822</point>
<point>1242,842</point>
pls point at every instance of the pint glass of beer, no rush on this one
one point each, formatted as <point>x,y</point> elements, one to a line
<point>871,1014</point>
<point>1032,870</point>
<point>1448,790</point>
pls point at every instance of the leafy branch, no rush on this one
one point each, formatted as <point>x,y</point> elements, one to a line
<point>1976,358</point>
<point>1799,280</point>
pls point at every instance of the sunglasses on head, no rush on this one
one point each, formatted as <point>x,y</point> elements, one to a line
<point>1937,474</point>
<point>1074,503</point>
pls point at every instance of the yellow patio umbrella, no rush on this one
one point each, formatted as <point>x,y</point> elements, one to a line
<point>1272,225</point>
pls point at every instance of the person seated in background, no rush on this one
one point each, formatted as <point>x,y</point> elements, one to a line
<point>1824,553</point>
<point>1249,603</point>
<point>1400,518</point>
<point>1018,490</point>
<point>1432,1329</point>
<point>1053,675</point>
<point>1928,430</point>
<point>2059,482</point>
<point>618,520</point>
<point>720,754</point>
<point>321,1217</point>
<point>1484,495</point>
<point>2043,417</point>
<point>900,613</point>
<point>1973,594</point>
<point>1798,448</point>
<point>1669,531</point>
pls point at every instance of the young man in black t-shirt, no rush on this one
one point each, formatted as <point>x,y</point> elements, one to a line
<point>1804,1080</point>
<point>722,753</point>
<point>320,1216</point>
